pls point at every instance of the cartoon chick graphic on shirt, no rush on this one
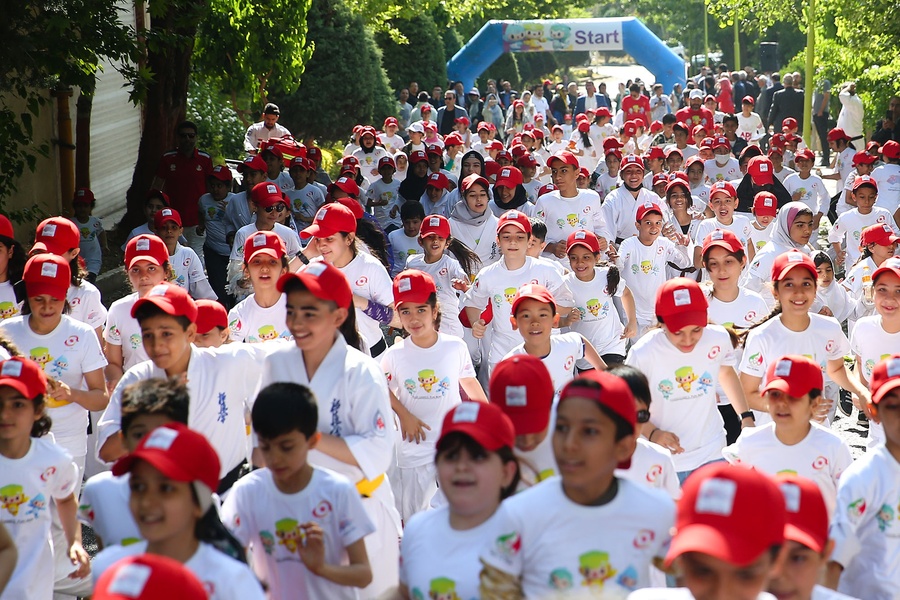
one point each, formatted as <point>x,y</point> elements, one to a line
<point>684,377</point>
<point>290,534</point>
<point>12,496</point>
<point>267,332</point>
<point>427,379</point>
<point>595,568</point>
<point>442,588</point>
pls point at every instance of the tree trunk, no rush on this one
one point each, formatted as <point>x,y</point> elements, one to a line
<point>83,108</point>
<point>166,99</point>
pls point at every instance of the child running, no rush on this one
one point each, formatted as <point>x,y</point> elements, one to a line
<point>260,317</point>
<point>188,270</point>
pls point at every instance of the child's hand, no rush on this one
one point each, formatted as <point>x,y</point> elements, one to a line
<point>839,257</point>
<point>611,253</point>
<point>59,390</point>
<point>630,331</point>
<point>668,440</point>
<point>796,196</point>
<point>393,212</point>
<point>478,329</point>
<point>574,316</point>
<point>412,428</point>
<point>81,560</point>
<point>826,311</point>
<point>822,409</point>
<point>460,284</point>
<point>603,244</point>
<point>312,550</point>
<point>559,249</point>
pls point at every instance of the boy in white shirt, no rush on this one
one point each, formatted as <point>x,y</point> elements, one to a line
<point>305,198</point>
<point>808,188</point>
<point>389,138</point>
<point>188,269</point>
<point>779,169</point>
<point>405,241</point>
<point>847,230</point>
<point>888,177</point>
<point>305,525</point>
<point>723,166</point>
<point>722,202</point>
<point>383,195</point>
<point>866,557</point>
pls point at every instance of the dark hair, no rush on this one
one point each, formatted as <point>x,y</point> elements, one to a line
<point>285,264</point>
<point>157,396</point>
<point>821,257</point>
<point>16,266</point>
<point>347,328</point>
<point>412,209</point>
<point>740,254</point>
<point>468,260</point>
<point>728,118</point>
<point>284,407</point>
<point>8,345</point>
<point>42,424</point>
<point>209,529</point>
<point>157,194</point>
<point>636,380</point>
<point>538,228</point>
<point>456,441</point>
<point>187,125</point>
<point>369,234</point>
<point>623,427</point>
<point>613,277</point>
<point>669,118</point>
<point>585,139</point>
<point>148,311</point>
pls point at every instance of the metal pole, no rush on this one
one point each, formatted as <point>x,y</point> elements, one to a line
<point>737,46</point>
<point>810,70</point>
<point>706,32</point>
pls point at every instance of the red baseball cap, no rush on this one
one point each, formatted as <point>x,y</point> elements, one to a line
<point>646,208</point>
<point>495,145</point>
<point>707,142</point>
<point>778,140</point>
<point>23,375</point>
<point>885,377</point>
<point>314,153</point>
<point>146,247</point>
<point>602,112</point>
<point>263,242</point>
<point>675,182</point>
<point>789,123</point>
<point>177,452</point>
<point>210,313</point>
<point>721,142</point>
<point>584,126</point>
<point>660,179</point>
<point>546,189</point>
<point>324,281</point>
<point>47,274</point>
<point>864,158</point>
<point>583,172</point>
<point>265,194</point>
<point>171,299</point>
<point>761,170</point>
<point>222,173</point>
<point>565,157</point>
<point>788,260</point>
<point>680,302</point>
<point>718,514</point>
<point>585,238</point>
<point>515,218</point>
<point>434,149</point>
<point>386,161</point>
<point>629,128</point>
<point>891,265</point>
<point>613,393</point>
<point>793,375</point>
<point>166,215</point>
<point>331,219</point>
<point>655,152</point>
<point>454,139</point>
<point>417,156</point>
<point>483,422</point>
<point>673,152</point>
<point>655,127</point>
<point>253,163</point>
<point>775,150</point>
<point>473,179</point>
<point>425,108</point>
<point>611,143</point>
<point>631,161</point>
<point>300,161</point>
<point>353,204</point>
<point>697,130</point>
<point>435,225</point>
<point>765,204</point>
<point>349,161</point>
<point>873,145</point>
<point>509,177</point>
<point>679,126</point>
<point>413,286</point>
<point>807,515</point>
<point>837,134</point>
<point>722,238</point>
<point>891,149</point>
<point>438,180</point>
<point>748,100</point>
<point>483,126</point>
<point>532,291</point>
<point>83,196</point>
<point>56,235</point>
<point>346,185</point>
<point>522,388</point>
<point>491,168</point>
<point>526,160</point>
<point>862,180</point>
<point>722,187</point>
<point>391,121</point>
<point>880,233</point>
<point>273,148</point>
<point>805,154</point>
<point>148,577</point>
<point>6,228</point>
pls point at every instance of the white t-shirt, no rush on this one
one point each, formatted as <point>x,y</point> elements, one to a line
<point>189,273</point>
<point>620,212</point>
<point>872,344</point>
<point>821,456</point>
<point>283,181</point>
<point>644,269</point>
<point>249,322</point>
<point>865,528</point>
<point>306,201</point>
<point>498,285</point>
<point>444,271</point>
<point>812,191</point>
<point>480,239</point>
<point>222,383</point>
<point>369,279</point>
<point>542,539</point>
<point>652,465</point>
<point>565,350</point>
<point>728,172</point>
<point>849,226</point>
<point>269,521</point>
<point>103,507</point>
<point>843,165</point>
<point>784,173</point>
<point>90,242</point>
<point>823,593</point>
<point>566,215</point>
<point>437,561</point>
<point>86,305</point>
<point>683,388</point>
<point>677,594</point>
<point>888,178</point>
<point>223,577</point>
<point>368,162</point>
<point>606,183</point>
<point>123,330</point>
<point>403,247</point>
<point>599,322</point>
<point>540,463</point>
<point>290,238</point>
<point>740,226</point>
<point>760,237</point>
<point>9,306</point>
<point>65,354</point>
<point>426,382</point>
<point>27,486</point>
<point>391,143</point>
<point>384,192</point>
<point>742,312</point>
<point>750,128</point>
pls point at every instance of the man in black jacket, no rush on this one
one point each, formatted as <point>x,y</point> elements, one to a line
<point>764,103</point>
<point>447,114</point>
<point>786,103</point>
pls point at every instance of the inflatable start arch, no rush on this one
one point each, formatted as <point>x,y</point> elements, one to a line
<point>564,35</point>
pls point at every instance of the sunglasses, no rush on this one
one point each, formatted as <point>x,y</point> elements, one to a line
<point>275,207</point>
<point>643,415</point>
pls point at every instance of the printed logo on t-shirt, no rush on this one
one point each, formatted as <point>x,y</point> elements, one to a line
<point>856,509</point>
<point>12,496</point>
<point>820,463</point>
<point>646,267</point>
<point>439,588</point>
<point>508,545</point>
<point>885,517</point>
<point>428,381</point>
<point>653,473</point>
<point>595,568</point>
<point>572,220</point>
<point>8,310</point>
<point>290,535</point>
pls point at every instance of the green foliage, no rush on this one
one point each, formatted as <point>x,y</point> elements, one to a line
<point>419,57</point>
<point>221,131</point>
<point>253,47</point>
<point>505,67</point>
<point>343,83</point>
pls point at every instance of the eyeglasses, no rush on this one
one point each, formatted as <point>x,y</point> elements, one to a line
<point>643,416</point>
<point>276,207</point>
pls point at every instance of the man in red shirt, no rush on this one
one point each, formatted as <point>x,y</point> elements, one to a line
<point>695,114</point>
<point>636,105</point>
<point>182,175</point>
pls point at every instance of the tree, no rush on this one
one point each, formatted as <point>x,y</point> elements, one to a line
<point>343,83</point>
<point>418,57</point>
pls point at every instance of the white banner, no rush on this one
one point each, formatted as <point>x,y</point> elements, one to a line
<point>562,35</point>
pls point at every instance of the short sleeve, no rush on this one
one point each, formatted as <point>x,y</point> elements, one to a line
<point>753,361</point>
<point>387,365</point>
<point>466,369</point>
<point>95,313</point>
<point>236,325</point>
<point>504,552</point>
<point>232,515</point>
<point>111,333</point>
<point>64,480</point>
<point>838,347</point>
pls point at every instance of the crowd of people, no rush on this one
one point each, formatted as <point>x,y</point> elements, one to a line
<point>523,346</point>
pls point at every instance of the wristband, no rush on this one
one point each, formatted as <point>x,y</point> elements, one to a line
<point>748,415</point>
<point>302,258</point>
<point>650,437</point>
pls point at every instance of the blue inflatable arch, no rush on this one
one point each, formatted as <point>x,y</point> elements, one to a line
<point>563,35</point>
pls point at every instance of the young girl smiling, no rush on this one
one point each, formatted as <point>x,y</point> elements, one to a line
<point>261,316</point>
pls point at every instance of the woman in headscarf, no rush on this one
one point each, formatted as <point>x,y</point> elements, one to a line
<point>413,186</point>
